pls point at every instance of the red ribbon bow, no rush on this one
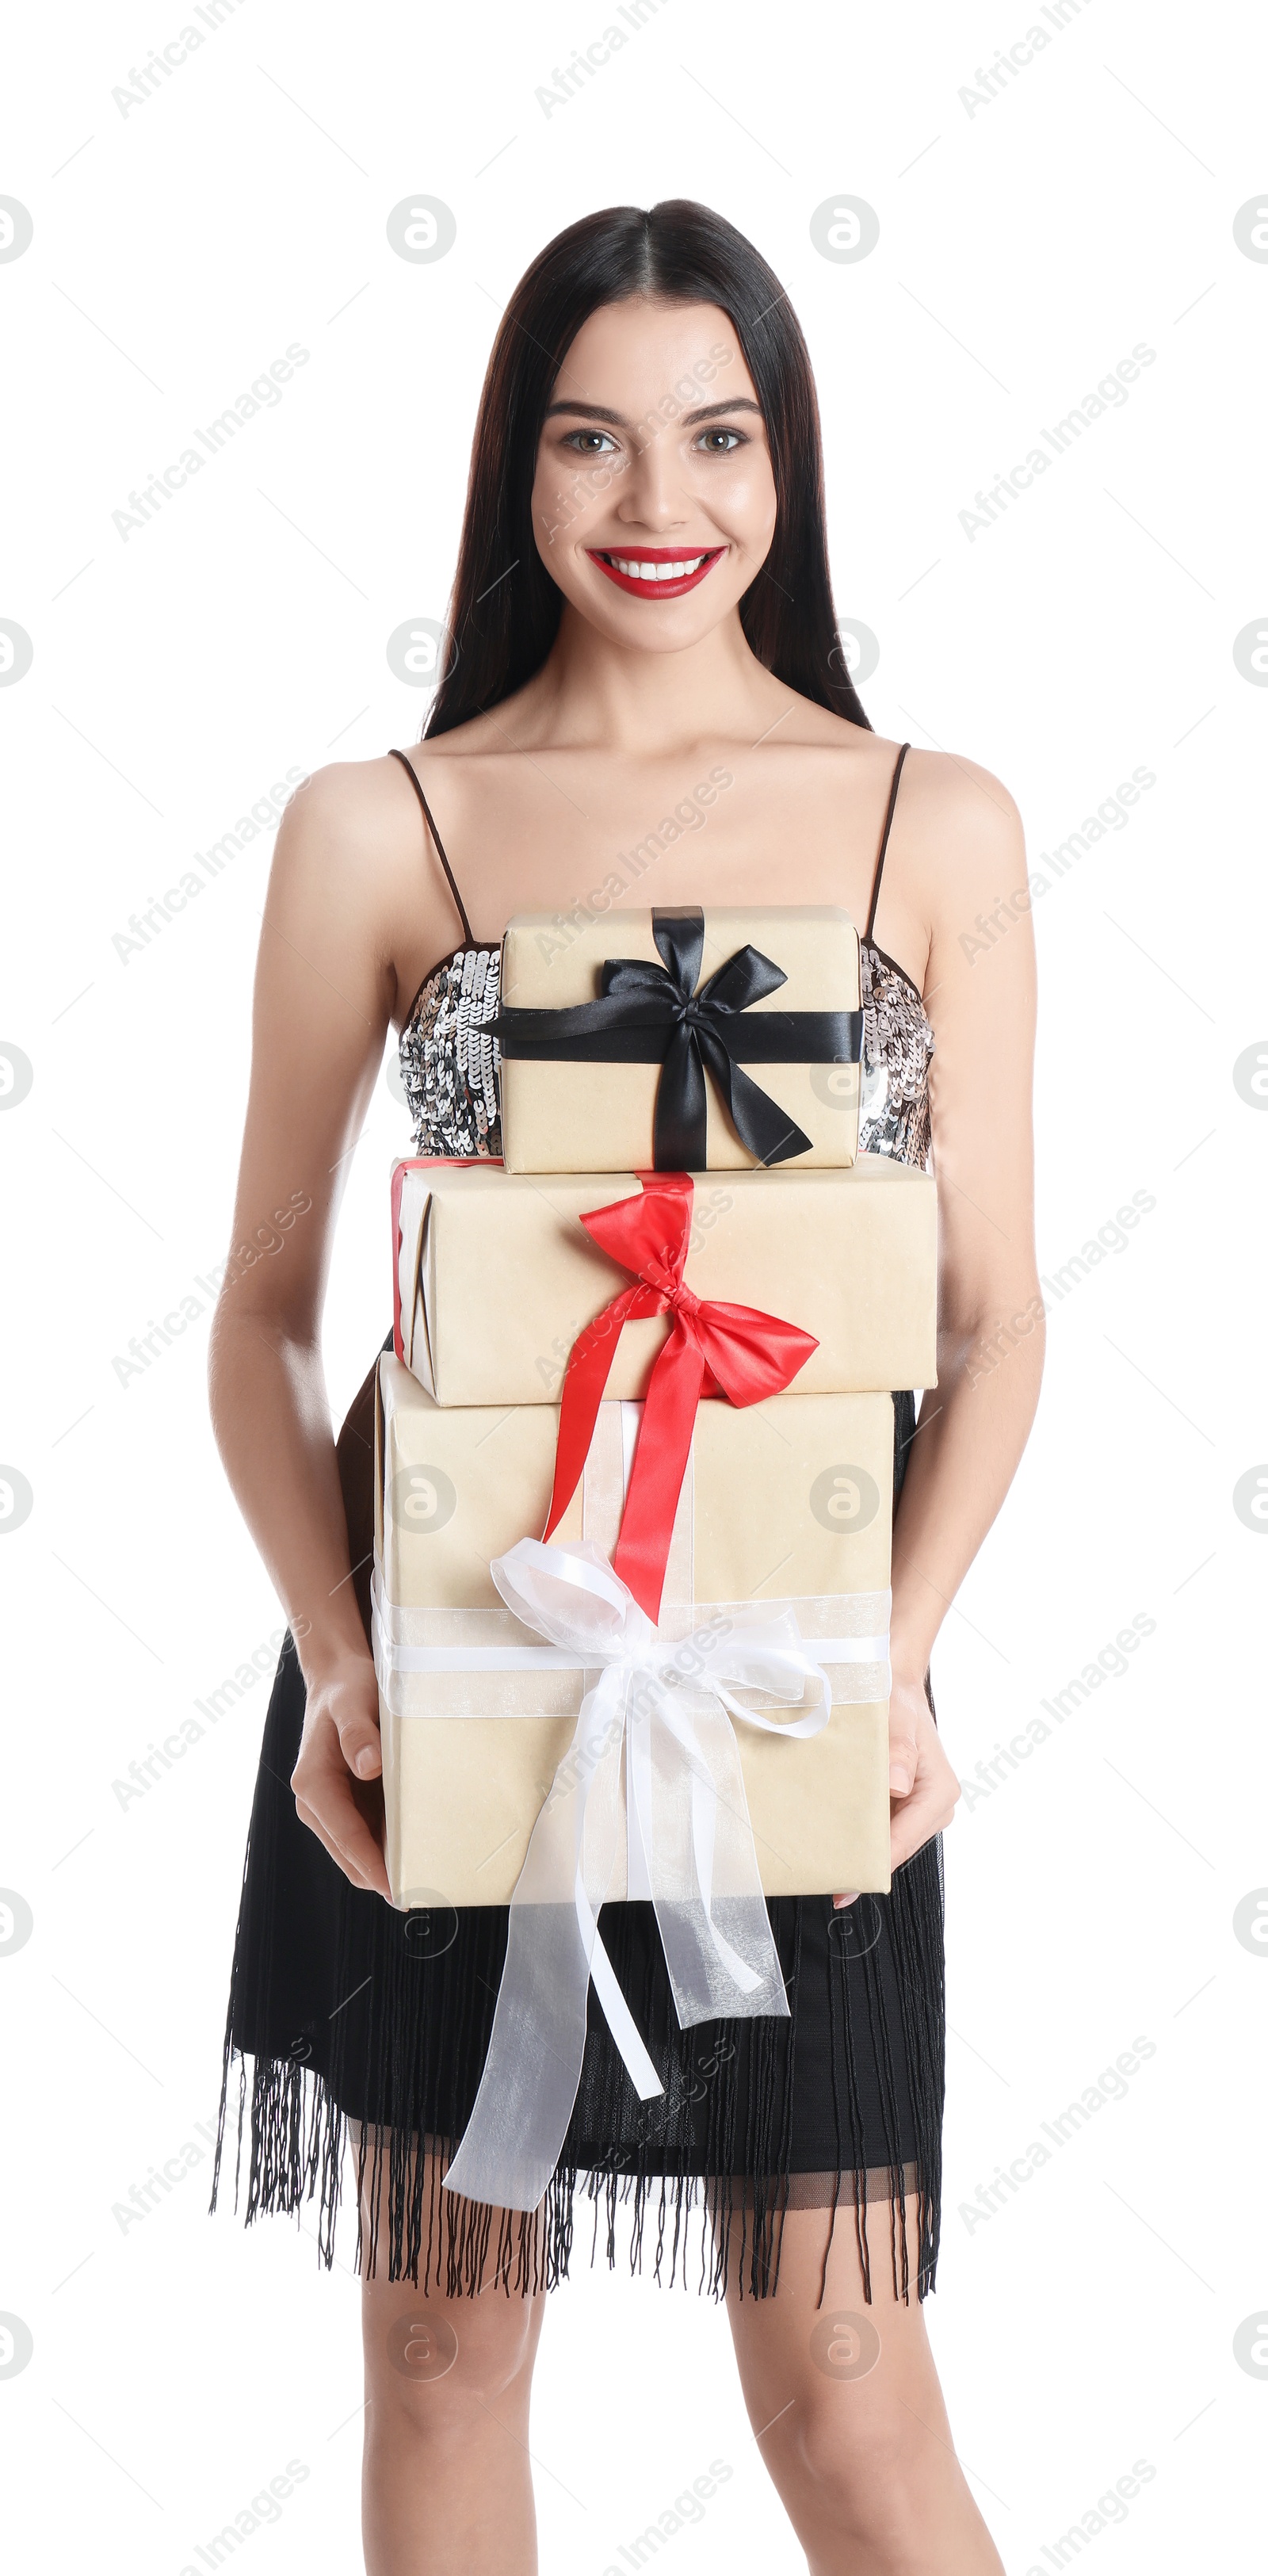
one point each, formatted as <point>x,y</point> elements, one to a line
<point>713,1349</point>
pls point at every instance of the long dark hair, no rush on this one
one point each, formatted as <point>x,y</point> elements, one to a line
<point>505,610</point>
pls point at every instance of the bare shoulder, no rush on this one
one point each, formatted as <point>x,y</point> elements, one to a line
<point>353,814</point>
<point>351,839</point>
<point>963,857</point>
<point>350,888</point>
<point>946,789</point>
<point>960,835</point>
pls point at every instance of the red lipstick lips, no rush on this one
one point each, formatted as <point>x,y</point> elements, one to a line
<point>655,585</point>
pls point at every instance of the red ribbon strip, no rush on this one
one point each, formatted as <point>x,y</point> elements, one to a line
<point>713,1349</point>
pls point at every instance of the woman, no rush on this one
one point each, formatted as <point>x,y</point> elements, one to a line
<point>642,603</point>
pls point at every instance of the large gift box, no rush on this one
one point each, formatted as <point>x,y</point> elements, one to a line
<point>782,1534</point>
<point>682,1039</point>
<point>495,1274</point>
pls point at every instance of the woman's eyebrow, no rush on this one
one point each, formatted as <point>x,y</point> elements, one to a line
<point>617,420</point>
<point>714,411</point>
<point>589,411</point>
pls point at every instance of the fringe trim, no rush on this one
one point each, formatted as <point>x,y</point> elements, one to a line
<point>291,2121</point>
<point>437,2240</point>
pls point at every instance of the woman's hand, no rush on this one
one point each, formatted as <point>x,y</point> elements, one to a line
<point>337,1777</point>
<point>923,1788</point>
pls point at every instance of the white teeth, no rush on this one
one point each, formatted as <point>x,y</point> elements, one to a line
<point>640,571</point>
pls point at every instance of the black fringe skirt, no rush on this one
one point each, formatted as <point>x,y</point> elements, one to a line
<point>354,2029</point>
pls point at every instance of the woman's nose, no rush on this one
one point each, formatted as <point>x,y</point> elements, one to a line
<point>651,492</point>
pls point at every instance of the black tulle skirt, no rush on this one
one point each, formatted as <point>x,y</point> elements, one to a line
<point>356,2032</point>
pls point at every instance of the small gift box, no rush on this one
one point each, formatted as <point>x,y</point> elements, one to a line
<point>495,1273</point>
<point>680,1039</point>
<point>782,1531</point>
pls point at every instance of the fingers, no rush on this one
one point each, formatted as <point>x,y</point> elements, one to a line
<point>917,1821</point>
<point>351,1846</point>
<point>839,1901</point>
<point>308,1816</point>
<point>340,1747</point>
<point>928,1811</point>
<point>360,1745</point>
<point>903,1756</point>
<point>325,1802</point>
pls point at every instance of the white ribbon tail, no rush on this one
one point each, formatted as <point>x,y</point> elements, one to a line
<point>705,1872</point>
<point>704,1824</point>
<point>620,2020</point>
<point>704,1819</point>
<point>532,2070</point>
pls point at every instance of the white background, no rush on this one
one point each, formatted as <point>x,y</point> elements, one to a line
<point>1025,248</point>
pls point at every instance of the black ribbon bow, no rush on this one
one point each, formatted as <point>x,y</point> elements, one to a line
<point>650,1014</point>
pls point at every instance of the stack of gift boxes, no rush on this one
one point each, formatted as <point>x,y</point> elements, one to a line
<point>663,1332</point>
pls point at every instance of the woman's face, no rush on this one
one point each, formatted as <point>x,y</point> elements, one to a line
<point>654,500</point>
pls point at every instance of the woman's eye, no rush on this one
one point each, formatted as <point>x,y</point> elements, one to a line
<point>721,442</point>
<point>588,442</point>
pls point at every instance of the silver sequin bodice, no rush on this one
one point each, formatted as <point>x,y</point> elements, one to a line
<point>449,1067</point>
<point>449,1064</point>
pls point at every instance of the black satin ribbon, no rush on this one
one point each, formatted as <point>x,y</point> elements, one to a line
<point>649,1014</point>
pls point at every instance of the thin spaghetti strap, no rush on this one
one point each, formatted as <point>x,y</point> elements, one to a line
<point>904,748</point>
<point>412,774</point>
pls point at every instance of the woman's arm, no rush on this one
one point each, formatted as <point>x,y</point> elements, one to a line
<point>345,871</point>
<point>973,1427</point>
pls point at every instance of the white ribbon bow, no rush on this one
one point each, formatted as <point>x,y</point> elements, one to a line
<point>668,1706</point>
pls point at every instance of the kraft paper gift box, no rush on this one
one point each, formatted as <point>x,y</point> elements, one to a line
<point>496,1275</point>
<point>786,1501</point>
<point>589,1112</point>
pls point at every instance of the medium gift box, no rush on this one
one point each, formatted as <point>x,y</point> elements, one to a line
<point>495,1273</point>
<point>780,1550</point>
<point>680,1039</point>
